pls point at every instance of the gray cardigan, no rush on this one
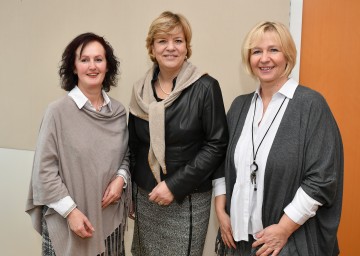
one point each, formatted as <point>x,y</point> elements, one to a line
<point>307,151</point>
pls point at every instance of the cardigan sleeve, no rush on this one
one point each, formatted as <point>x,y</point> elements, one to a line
<point>322,175</point>
<point>323,154</point>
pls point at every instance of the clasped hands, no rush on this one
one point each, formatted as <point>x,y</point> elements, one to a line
<point>80,224</point>
<point>161,194</point>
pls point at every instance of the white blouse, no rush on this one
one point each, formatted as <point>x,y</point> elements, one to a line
<point>246,203</point>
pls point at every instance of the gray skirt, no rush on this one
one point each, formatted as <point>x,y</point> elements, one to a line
<point>176,229</point>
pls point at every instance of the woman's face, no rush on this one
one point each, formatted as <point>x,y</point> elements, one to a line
<point>170,50</point>
<point>267,60</point>
<point>91,66</point>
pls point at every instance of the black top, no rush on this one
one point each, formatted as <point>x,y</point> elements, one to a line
<point>195,138</point>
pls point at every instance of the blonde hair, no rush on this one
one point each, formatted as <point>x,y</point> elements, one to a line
<point>164,24</point>
<point>282,35</point>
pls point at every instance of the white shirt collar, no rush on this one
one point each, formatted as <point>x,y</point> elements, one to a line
<point>80,99</point>
<point>288,89</point>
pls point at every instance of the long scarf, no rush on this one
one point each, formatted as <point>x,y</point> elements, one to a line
<point>144,105</point>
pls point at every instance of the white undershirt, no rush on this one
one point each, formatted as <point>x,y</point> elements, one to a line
<point>246,204</point>
<point>65,205</point>
<point>219,187</point>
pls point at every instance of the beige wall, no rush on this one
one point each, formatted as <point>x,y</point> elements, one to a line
<point>35,32</point>
<point>33,36</point>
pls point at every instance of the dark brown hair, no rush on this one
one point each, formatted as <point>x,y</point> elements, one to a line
<point>66,71</point>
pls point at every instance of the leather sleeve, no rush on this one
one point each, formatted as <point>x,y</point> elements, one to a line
<point>202,166</point>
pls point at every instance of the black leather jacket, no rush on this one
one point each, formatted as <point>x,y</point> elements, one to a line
<point>196,138</point>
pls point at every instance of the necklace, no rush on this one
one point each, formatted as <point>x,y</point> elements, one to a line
<point>254,167</point>
<point>167,93</point>
<point>99,103</point>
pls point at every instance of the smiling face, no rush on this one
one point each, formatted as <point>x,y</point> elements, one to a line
<point>91,65</point>
<point>267,60</point>
<point>170,50</point>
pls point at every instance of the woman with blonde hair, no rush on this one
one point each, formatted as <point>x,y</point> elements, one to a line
<point>178,138</point>
<point>284,162</point>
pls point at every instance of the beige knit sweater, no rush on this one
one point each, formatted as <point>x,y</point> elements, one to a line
<point>78,154</point>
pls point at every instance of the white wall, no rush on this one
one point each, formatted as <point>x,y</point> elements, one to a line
<point>17,237</point>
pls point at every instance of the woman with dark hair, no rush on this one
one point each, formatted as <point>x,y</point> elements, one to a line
<point>178,138</point>
<point>80,189</point>
<point>70,78</point>
<point>284,163</point>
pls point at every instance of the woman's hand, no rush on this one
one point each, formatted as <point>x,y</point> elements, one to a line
<point>225,229</point>
<point>273,238</point>
<point>224,221</point>
<point>161,194</point>
<point>113,192</point>
<point>80,224</point>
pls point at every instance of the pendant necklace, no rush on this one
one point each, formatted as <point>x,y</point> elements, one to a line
<point>167,93</point>
<point>254,166</point>
<point>98,106</point>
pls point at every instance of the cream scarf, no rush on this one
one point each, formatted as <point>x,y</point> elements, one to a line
<point>144,105</point>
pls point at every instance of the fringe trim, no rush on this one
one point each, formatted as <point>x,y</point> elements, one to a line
<point>219,245</point>
<point>222,250</point>
<point>114,244</point>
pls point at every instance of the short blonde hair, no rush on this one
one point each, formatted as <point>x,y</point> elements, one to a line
<point>283,37</point>
<point>164,24</point>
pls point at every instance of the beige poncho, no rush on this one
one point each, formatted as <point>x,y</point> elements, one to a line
<point>78,154</point>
